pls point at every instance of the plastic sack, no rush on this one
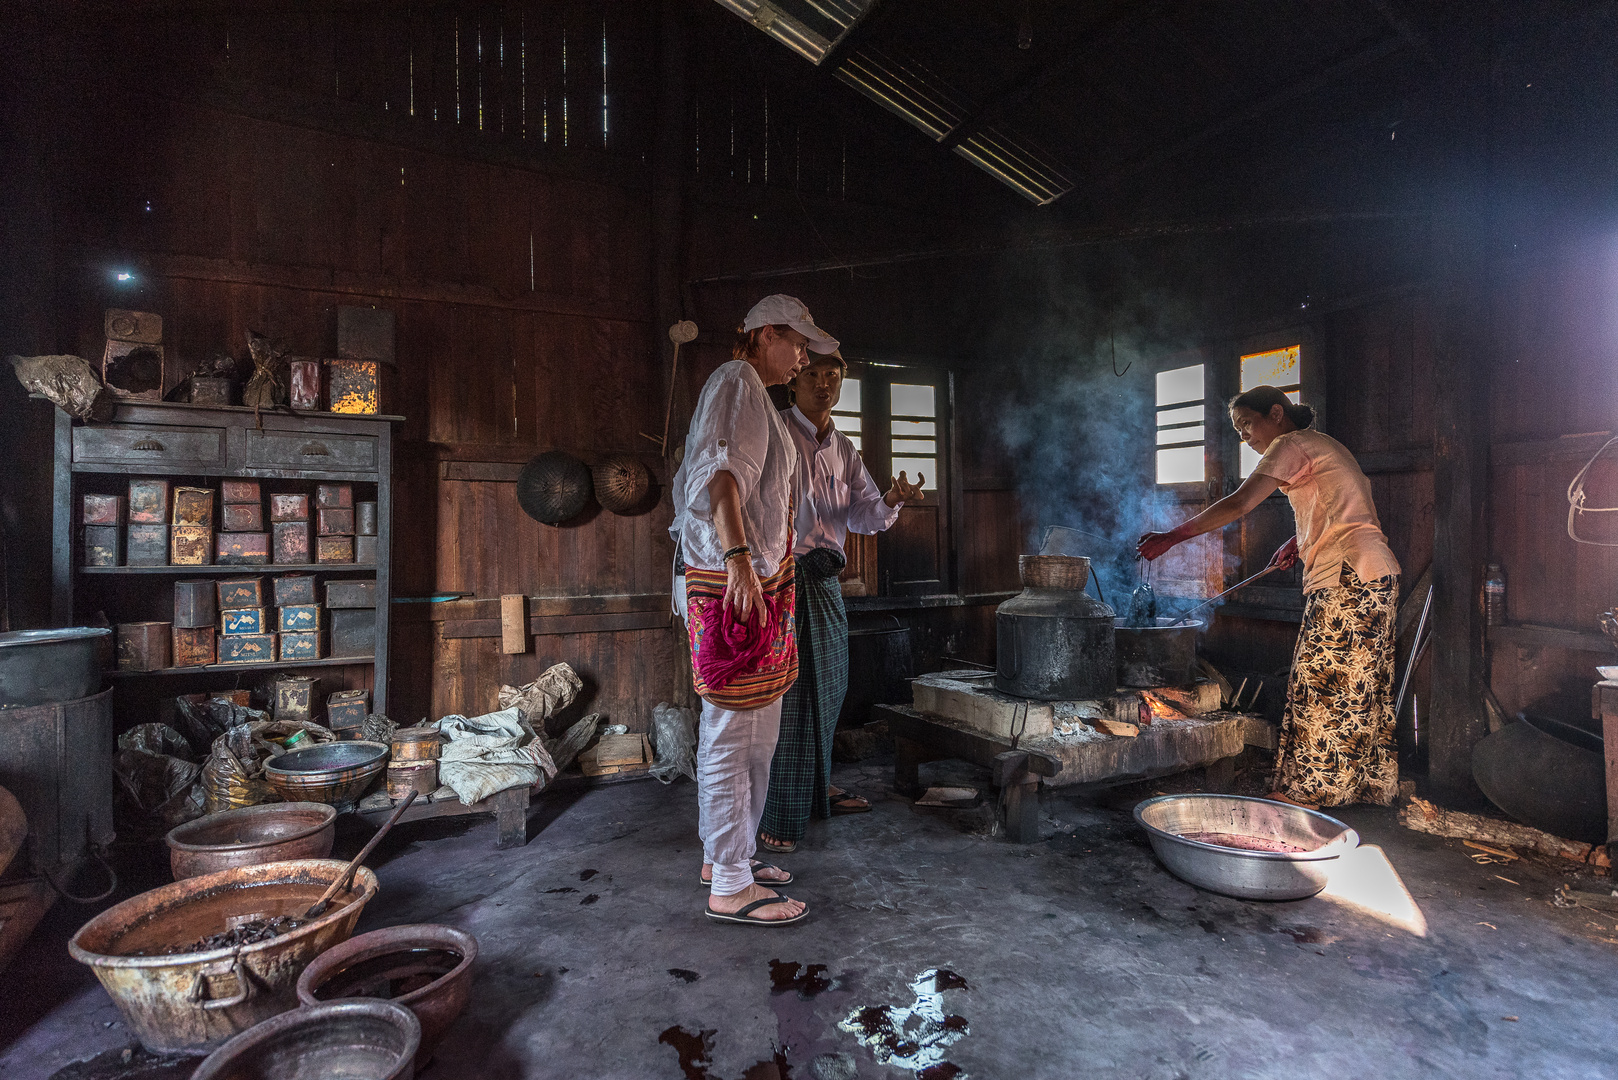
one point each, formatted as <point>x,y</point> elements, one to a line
<point>490,753</point>
<point>565,747</point>
<point>554,690</point>
<point>66,381</point>
<point>233,776</point>
<point>157,785</point>
<point>674,737</point>
<point>202,722</point>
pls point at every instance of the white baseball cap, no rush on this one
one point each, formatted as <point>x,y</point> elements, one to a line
<point>779,309</point>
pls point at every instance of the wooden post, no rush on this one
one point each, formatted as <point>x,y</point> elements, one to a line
<point>907,758</point>
<point>1606,710</point>
<point>511,817</point>
<point>1020,793</point>
<point>514,623</point>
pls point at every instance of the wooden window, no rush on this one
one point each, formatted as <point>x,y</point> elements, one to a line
<point>1279,368</point>
<point>1181,430</point>
<point>847,413</point>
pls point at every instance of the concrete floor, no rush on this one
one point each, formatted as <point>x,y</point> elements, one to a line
<point>1079,956</point>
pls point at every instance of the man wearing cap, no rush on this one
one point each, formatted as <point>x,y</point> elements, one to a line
<point>734,498</point>
<point>837,497</point>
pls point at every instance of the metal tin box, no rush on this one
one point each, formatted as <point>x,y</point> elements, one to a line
<point>245,620</point>
<point>103,545</point>
<point>242,517</point>
<point>353,632</point>
<point>148,501</point>
<point>191,545</point>
<point>148,545</point>
<point>348,709</point>
<point>194,604</point>
<point>142,327</point>
<point>335,521</point>
<point>291,589</point>
<point>418,776</point>
<point>143,646</point>
<point>365,550</point>
<point>289,507</point>
<point>103,510</point>
<point>334,549</point>
<point>193,646</point>
<point>365,518</point>
<point>193,506</point>
<point>365,333</point>
<point>416,744</point>
<point>247,649</point>
<point>133,369</point>
<point>351,594</point>
<point>300,618</point>
<point>244,592</point>
<point>243,548</point>
<point>302,646</point>
<point>291,542</point>
<point>210,390</point>
<point>360,387</point>
<point>335,496</point>
<point>239,491</point>
<point>295,697</point>
<point>305,380</point>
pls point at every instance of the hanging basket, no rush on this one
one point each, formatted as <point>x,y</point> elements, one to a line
<point>553,487</point>
<point>621,482</point>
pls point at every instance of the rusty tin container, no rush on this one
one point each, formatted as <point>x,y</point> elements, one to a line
<point>305,379</point>
<point>209,390</point>
<point>103,545</point>
<point>334,549</point>
<point>374,964</point>
<point>336,772</point>
<point>244,592</point>
<point>251,836</point>
<point>191,1002</point>
<point>365,518</point>
<point>239,491</point>
<point>148,501</point>
<point>418,776</point>
<point>140,327</point>
<point>243,548</point>
<point>302,646</point>
<point>103,510</point>
<point>295,697</point>
<point>285,507</point>
<point>147,545</point>
<point>351,594</point>
<point>134,369</point>
<point>193,506</point>
<point>348,709</point>
<point>334,496</point>
<point>299,618</point>
<point>243,517</point>
<point>360,387</point>
<point>247,620</point>
<point>194,646</point>
<point>290,543</point>
<point>353,632</point>
<point>292,589</point>
<point>335,521</point>
<point>191,545</point>
<point>143,646</point>
<point>416,744</point>
<point>247,649</point>
<point>365,550</point>
<point>365,333</point>
<point>194,604</point>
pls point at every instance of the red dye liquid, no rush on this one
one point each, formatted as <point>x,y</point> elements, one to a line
<point>1245,843</point>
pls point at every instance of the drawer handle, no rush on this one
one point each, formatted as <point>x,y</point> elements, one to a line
<point>315,449</point>
<point>150,446</point>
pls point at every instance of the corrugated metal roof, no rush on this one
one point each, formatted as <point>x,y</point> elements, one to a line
<point>810,28</point>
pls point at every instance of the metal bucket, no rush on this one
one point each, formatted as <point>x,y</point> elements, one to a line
<point>190,1002</point>
<point>1161,655</point>
<point>43,667</point>
<point>1171,822</point>
<point>357,1040</point>
<point>250,836</point>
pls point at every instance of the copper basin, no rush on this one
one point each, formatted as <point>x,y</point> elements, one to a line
<point>355,1040</point>
<point>251,835</point>
<point>335,772</point>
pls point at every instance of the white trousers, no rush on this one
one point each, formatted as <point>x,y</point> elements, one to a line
<point>734,749</point>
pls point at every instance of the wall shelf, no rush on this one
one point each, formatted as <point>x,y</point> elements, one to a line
<point>243,569</point>
<point>199,669</point>
<point>1530,635</point>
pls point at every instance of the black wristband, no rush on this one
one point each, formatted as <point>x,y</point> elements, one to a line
<point>739,549</point>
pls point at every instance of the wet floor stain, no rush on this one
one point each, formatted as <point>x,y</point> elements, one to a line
<point>586,875</point>
<point>130,1063</point>
<point>696,1056</point>
<point>809,980</point>
<point>684,974</point>
<point>915,1036</point>
<point>564,888</point>
<point>592,898</point>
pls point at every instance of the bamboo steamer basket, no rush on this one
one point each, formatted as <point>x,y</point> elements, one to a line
<point>621,482</point>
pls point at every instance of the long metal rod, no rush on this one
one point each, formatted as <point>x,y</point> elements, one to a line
<point>1416,648</point>
<point>1221,596</point>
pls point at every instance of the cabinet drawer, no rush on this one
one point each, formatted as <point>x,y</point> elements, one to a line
<point>306,452</point>
<point>184,449</point>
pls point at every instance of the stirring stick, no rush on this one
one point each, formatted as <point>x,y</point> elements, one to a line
<point>318,908</point>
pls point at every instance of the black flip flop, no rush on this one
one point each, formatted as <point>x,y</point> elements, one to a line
<point>758,864</point>
<point>745,918</point>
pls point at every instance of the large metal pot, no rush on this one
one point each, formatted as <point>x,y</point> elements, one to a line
<point>880,666</point>
<point>1546,774</point>
<point>1053,641</point>
<point>43,667</point>
<point>1173,821</point>
<point>1159,655</point>
<point>426,967</point>
<point>190,1002</point>
<point>251,836</point>
<point>356,1040</point>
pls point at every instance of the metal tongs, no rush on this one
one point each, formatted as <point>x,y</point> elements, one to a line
<point>1267,570</point>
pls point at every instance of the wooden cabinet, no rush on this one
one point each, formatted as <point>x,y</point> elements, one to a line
<point>196,445</point>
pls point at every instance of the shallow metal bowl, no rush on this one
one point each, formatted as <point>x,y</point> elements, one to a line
<point>1169,821</point>
<point>251,835</point>
<point>336,772</point>
<point>362,1040</point>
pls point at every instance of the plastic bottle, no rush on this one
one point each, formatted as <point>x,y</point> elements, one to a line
<point>1494,595</point>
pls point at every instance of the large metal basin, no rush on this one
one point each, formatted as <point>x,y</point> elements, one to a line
<point>335,772</point>
<point>1171,820</point>
<point>354,1040</point>
<point>191,1002</point>
<point>251,835</point>
<point>43,667</point>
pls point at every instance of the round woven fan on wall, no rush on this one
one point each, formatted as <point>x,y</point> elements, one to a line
<point>621,482</point>
<point>553,487</point>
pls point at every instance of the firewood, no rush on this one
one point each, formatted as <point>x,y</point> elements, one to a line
<point>1113,727</point>
<point>1423,816</point>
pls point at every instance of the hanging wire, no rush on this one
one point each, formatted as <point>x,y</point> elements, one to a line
<point>1575,500</point>
<point>1115,371</point>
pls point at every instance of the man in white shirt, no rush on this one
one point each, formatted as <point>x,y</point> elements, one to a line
<point>837,497</point>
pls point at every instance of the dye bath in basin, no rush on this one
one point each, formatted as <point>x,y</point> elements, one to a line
<point>1244,843</point>
<point>209,913</point>
<point>389,976</point>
